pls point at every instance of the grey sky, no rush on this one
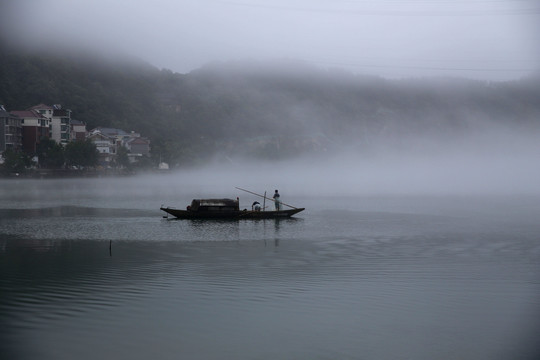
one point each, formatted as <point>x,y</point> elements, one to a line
<point>487,39</point>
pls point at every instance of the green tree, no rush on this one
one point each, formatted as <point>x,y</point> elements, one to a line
<point>122,159</point>
<point>144,163</point>
<point>50,154</point>
<point>81,153</point>
<point>15,161</point>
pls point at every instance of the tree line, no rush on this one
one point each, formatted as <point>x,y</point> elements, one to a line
<point>272,110</point>
<point>51,155</point>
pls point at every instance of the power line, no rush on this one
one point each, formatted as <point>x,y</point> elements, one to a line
<point>400,13</point>
<point>428,1</point>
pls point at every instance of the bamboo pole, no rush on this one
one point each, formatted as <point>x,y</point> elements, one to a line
<point>263,196</point>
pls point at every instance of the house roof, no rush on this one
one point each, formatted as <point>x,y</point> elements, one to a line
<point>27,114</point>
<point>109,131</point>
<point>138,141</point>
<point>99,135</point>
<point>8,114</point>
<point>41,107</point>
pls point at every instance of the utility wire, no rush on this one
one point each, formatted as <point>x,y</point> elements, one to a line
<point>426,1</point>
<point>414,13</point>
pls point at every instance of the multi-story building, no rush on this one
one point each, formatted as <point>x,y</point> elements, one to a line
<point>137,147</point>
<point>78,130</point>
<point>108,140</point>
<point>105,145</point>
<point>10,131</point>
<point>59,121</point>
<point>61,125</point>
<point>34,127</point>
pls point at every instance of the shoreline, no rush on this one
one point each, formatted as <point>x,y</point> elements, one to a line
<point>67,173</point>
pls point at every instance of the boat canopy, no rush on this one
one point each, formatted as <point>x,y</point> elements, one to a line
<point>214,205</point>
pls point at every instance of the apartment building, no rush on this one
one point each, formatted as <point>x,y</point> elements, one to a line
<point>10,131</point>
<point>34,126</point>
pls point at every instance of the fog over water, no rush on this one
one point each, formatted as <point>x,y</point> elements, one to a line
<point>491,166</point>
<point>492,163</point>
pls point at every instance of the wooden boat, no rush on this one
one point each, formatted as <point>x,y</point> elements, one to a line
<point>225,209</point>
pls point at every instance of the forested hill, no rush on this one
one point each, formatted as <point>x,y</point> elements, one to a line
<point>268,110</point>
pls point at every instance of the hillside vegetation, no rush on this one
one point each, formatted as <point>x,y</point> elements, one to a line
<point>264,110</point>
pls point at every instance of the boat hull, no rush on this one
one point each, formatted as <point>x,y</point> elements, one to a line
<point>232,215</point>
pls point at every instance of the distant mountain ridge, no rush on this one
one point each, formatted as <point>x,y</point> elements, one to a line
<point>268,110</point>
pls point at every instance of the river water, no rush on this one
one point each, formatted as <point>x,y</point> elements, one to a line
<point>90,269</point>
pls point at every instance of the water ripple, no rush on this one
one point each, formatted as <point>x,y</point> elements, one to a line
<point>330,285</point>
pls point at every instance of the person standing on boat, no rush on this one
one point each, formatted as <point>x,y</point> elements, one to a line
<point>277,202</point>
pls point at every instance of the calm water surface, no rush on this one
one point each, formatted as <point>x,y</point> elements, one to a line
<point>91,270</point>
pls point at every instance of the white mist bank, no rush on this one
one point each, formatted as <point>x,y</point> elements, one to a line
<point>457,173</point>
<point>494,164</point>
<point>347,175</point>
